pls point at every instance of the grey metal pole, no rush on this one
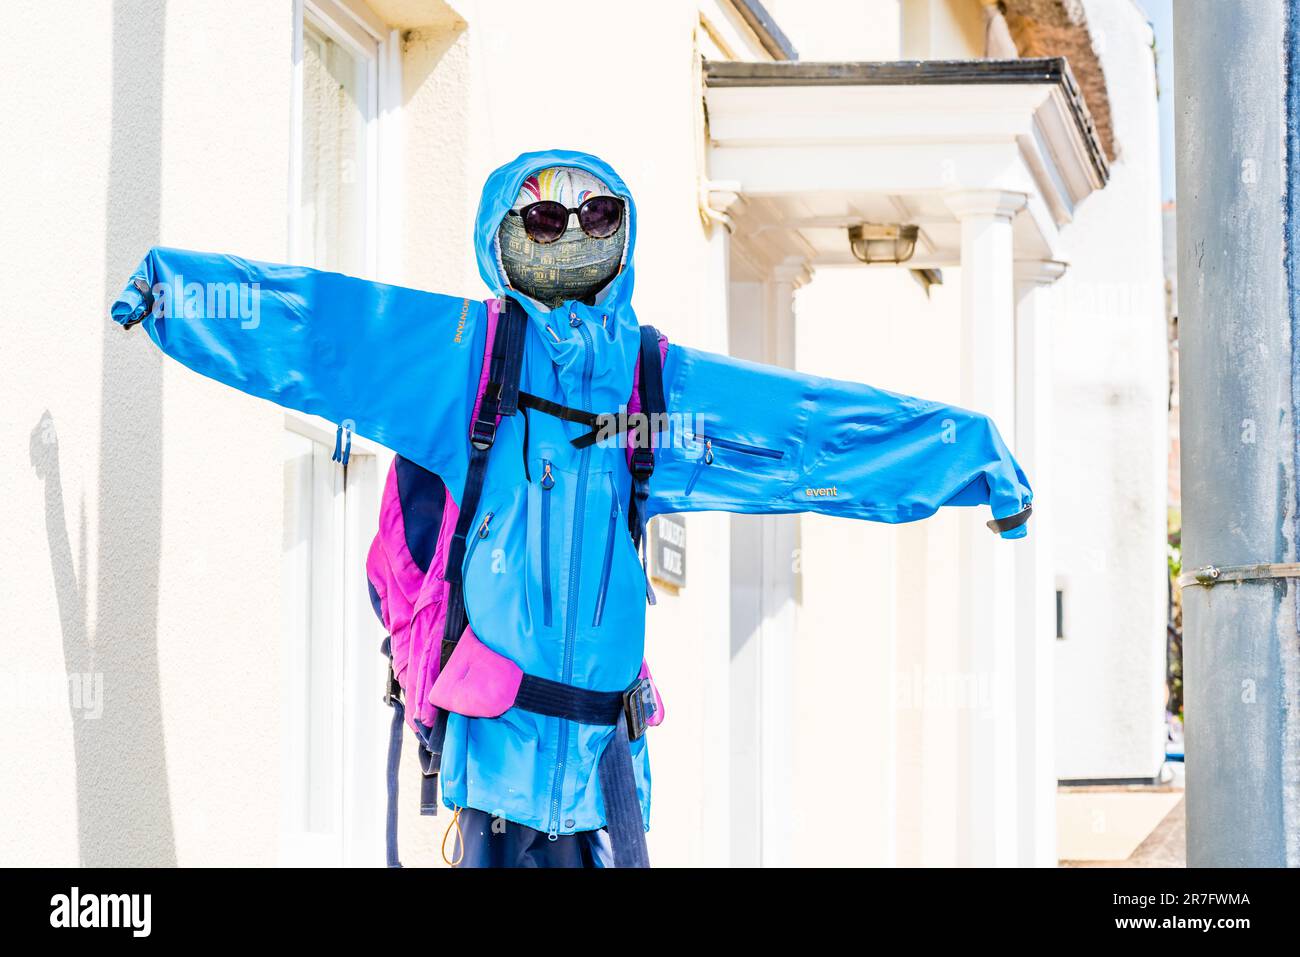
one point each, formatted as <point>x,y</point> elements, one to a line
<point>1233,76</point>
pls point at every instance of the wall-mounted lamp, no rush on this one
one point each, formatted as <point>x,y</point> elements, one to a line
<point>882,244</point>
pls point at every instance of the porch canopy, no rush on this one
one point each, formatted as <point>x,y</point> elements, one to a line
<point>817,147</point>
<point>990,159</point>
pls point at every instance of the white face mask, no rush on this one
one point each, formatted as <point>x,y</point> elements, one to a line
<point>575,266</point>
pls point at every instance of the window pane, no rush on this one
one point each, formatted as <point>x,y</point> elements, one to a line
<point>335,107</point>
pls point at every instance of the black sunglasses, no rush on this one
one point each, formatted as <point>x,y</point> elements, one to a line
<point>545,222</point>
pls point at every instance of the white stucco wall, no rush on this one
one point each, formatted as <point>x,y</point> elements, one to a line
<point>1111,420</point>
<point>861,29</point>
<point>145,532</point>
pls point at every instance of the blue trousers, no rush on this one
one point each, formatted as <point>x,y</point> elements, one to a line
<point>489,841</point>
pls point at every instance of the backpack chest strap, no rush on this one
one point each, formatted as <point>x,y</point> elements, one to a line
<point>529,401</point>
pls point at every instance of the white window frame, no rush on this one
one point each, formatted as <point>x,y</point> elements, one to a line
<point>362,723</point>
<point>354,24</point>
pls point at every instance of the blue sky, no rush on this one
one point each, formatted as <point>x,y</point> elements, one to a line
<point>1161,14</point>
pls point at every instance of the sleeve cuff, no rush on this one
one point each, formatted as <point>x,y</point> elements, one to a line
<point>1012,526</point>
<point>135,302</point>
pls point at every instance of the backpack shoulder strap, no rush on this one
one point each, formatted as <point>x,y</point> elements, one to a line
<point>651,379</point>
<point>650,393</point>
<point>498,396</point>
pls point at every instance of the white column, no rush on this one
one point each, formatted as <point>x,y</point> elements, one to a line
<point>1036,310</point>
<point>987,773</point>
<point>719,203</point>
<point>715,651</point>
<point>777,635</point>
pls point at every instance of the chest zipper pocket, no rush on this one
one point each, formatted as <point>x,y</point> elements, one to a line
<point>547,483</point>
<point>713,442</point>
<point>608,563</point>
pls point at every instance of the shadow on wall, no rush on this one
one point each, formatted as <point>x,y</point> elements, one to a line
<point>123,806</point>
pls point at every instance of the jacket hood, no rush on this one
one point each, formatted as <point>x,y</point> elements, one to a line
<point>499,193</point>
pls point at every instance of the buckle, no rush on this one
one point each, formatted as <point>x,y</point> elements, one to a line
<point>430,761</point>
<point>643,463</point>
<point>394,690</point>
<point>430,749</point>
<point>639,706</point>
<point>483,434</point>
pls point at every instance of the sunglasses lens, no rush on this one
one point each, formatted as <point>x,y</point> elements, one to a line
<point>545,222</point>
<point>601,216</point>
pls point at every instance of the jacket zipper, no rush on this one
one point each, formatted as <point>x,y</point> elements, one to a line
<point>710,442</point>
<point>482,533</point>
<point>548,483</point>
<point>575,568</point>
<point>609,556</point>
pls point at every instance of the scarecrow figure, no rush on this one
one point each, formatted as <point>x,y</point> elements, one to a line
<point>535,434</point>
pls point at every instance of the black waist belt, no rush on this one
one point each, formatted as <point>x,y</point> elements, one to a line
<point>557,700</point>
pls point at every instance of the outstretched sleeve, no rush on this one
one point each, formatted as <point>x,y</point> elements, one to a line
<point>744,437</point>
<point>396,365</point>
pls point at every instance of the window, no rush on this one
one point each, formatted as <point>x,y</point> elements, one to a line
<point>337,83</point>
<point>345,168</point>
<point>334,727</point>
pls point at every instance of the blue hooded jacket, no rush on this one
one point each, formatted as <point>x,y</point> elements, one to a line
<point>552,580</point>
